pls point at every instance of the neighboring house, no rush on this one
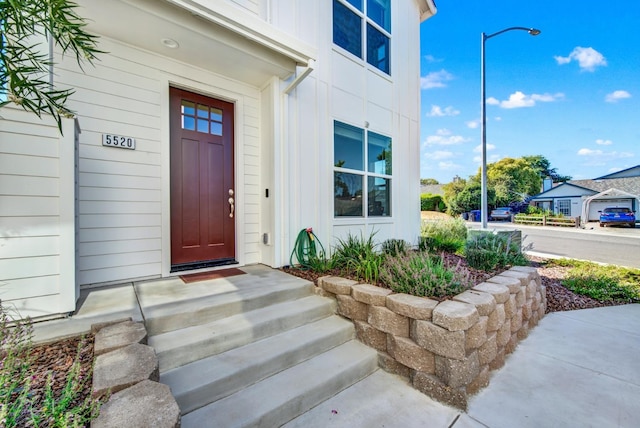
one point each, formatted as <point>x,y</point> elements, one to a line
<point>585,198</point>
<point>211,132</point>
<point>432,189</point>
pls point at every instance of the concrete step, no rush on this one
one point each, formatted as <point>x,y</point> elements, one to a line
<point>281,397</point>
<point>180,347</point>
<point>172,305</point>
<point>205,381</point>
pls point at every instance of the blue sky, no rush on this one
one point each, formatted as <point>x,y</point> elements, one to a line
<point>571,94</point>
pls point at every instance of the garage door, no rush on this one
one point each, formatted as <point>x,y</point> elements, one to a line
<point>598,205</point>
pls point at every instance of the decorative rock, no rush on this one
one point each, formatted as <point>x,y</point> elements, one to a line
<point>488,351</point>
<point>457,373</point>
<point>370,294</point>
<point>371,336</point>
<point>119,335</point>
<point>388,321</point>
<point>350,308</point>
<point>499,292</point>
<point>438,340</point>
<point>436,389</point>
<point>455,316</point>
<point>477,334</point>
<point>337,285</point>
<point>484,302</point>
<point>146,404</point>
<point>389,364</point>
<point>410,354</point>
<point>124,367</point>
<point>417,308</point>
<point>513,284</point>
<point>496,319</point>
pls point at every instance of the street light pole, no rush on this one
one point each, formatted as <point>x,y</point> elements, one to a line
<point>483,123</point>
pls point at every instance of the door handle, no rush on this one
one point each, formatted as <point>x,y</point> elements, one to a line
<point>232,206</point>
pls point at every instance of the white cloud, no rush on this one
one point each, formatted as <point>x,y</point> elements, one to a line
<point>588,58</point>
<point>431,58</point>
<point>497,118</point>
<point>435,79</point>
<point>519,99</point>
<point>437,111</point>
<point>473,124</point>
<point>439,154</point>
<point>600,157</point>
<point>602,142</point>
<point>444,137</point>
<point>490,159</point>
<point>617,95</point>
<point>448,165</point>
<point>478,148</point>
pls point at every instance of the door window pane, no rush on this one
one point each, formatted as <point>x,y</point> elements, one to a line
<point>347,194</point>
<point>377,49</point>
<point>347,29</point>
<point>348,147</point>
<point>379,11</point>
<point>379,154</point>
<point>379,193</point>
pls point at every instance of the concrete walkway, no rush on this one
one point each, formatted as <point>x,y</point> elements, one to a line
<point>576,369</point>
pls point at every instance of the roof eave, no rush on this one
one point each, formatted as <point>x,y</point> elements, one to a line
<point>427,9</point>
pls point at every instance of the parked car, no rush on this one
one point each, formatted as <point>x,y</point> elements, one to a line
<point>502,213</point>
<point>617,215</point>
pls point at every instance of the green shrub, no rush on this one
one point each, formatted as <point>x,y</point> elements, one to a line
<point>443,235</point>
<point>394,247</point>
<point>600,282</point>
<point>358,257</point>
<point>488,251</point>
<point>431,202</point>
<point>418,274</point>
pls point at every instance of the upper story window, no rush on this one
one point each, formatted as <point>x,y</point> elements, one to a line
<point>368,21</point>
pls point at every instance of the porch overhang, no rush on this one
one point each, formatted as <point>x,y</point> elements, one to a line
<point>214,36</point>
<point>428,8</point>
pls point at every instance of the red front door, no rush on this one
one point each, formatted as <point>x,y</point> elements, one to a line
<point>202,186</point>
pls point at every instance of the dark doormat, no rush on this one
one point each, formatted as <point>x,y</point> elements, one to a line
<point>216,274</point>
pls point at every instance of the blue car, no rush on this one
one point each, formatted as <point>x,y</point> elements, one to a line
<point>617,215</point>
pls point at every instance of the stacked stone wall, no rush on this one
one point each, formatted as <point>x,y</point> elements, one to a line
<point>446,349</point>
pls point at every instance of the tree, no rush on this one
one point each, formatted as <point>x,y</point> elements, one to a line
<point>24,69</point>
<point>428,181</point>
<point>513,180</point>
<point>543,167</point>
<point>465,195</point>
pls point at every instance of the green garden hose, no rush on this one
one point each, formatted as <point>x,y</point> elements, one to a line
<point>305,248</point>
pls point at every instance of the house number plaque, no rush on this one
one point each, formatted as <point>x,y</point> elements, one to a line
<point>119,141</point>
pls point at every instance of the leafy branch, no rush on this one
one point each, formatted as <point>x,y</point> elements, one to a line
<point>24,67</point>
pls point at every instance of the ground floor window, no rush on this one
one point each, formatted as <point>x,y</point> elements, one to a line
<point>362,172</point>
<point>564,207</point>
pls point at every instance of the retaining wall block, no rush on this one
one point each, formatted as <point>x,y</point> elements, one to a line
<point>527,310</point>
<point>457,373</point>
<point>523,333</point>
<point>484,302</point>
<point>522,276</point>
<point>370,294</point>
<point>481,381</point>
<point>499,292</point>
<point>119,335</point>
<point>516,321</point>
<point>513,284</point>
<point>439,340</point>
<point>388,321</point>
<point>488,351</point>
<point>477,334</point>
<point>438,390</point>
<point>496,318</point>
<point>371,336</point>
<point>410,354</point>
<point>350,308</point>
<point>504,333</point>
<point>510,307</point>
<point>390,365</point>
<point>336,284</point>
<point>498,361</point>
<point>417,308</point>
<point>532,289</point>
<point>521,297</point>
<point>455,316</point>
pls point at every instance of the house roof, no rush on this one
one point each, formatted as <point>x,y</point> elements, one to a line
<point>434,189</point>
<point>634,171</point>
<point>626,184</point>
<point>579,191</point>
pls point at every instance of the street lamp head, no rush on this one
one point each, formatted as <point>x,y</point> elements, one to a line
<point>534,31</point>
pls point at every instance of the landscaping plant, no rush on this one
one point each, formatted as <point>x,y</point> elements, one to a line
<point>358,256</point>
<point>443,235</point>
<point>488,251</point>
<point>419,274</point>
<point>394,247</point>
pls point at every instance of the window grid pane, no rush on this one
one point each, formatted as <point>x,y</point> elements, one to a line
<point>377,49</point>
<point>379,194</point>
<point>379,11</point>
<point>347,195</point>
<point>348,147</point>
<point>347,29</point>
<point>378,154</point>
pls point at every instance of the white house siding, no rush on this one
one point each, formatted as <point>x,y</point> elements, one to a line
<point>37,272</point>
<point>347,89</point>
<point>124,194</point>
